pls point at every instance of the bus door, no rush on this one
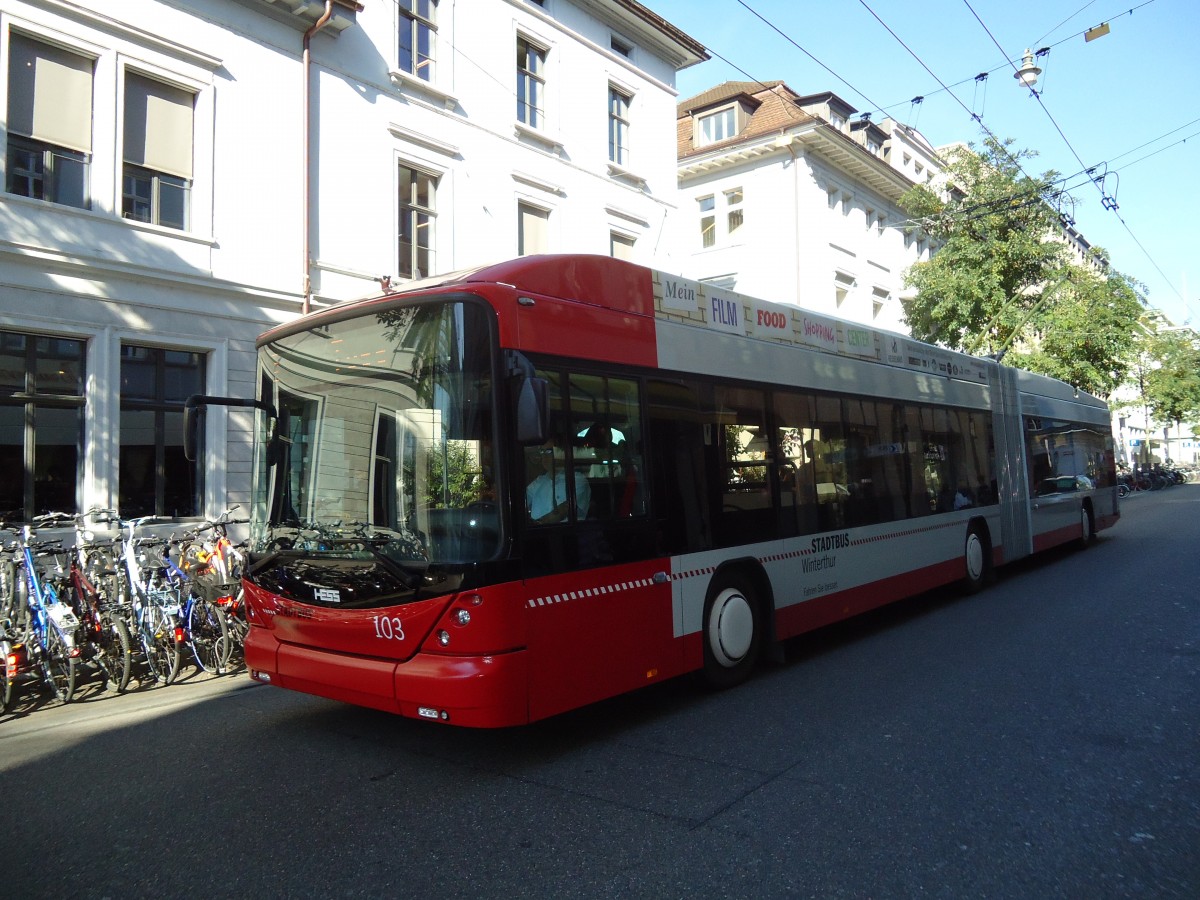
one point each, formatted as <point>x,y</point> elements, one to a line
<point>1055,487</point>
<point>599,602</point>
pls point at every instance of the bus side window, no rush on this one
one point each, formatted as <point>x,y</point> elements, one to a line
<point>556,490</point>
<point>606,430</point>
<point>681,499</point>
<point>794,416</point>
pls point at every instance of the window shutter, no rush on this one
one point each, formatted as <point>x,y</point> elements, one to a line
<point>49,94</point>
<point>533,230</point>
<point>158,126</point>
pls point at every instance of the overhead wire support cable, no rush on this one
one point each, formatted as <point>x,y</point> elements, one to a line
<point>1109,202</point>
<point>795,44</point>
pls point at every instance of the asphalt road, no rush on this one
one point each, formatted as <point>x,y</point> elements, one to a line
<point>1036,740</point>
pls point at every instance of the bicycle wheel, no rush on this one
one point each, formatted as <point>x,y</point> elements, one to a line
<point>157,634</point>
<point>114,653</point>
<point>208,633</point>
<point>8,593</point>
<point>235,616</point>
<point>58,665</point>
<point>6,677</point>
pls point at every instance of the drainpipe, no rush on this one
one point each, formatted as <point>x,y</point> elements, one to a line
<point>307,140</point>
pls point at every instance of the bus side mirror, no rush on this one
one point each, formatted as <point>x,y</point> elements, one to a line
<point>532,411</point>
<point>193,406</point>
<point>278,437</point>
<point>191,425</point>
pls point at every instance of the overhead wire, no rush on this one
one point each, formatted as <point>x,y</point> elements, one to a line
<point>1108,202</point>
<point>977,118</point>
<point>1005,65</point>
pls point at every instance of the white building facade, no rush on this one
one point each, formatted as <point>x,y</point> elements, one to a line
<point>179,176</point>
<point>784,197</point>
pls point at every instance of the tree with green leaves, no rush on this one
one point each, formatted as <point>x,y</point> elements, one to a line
<point>1001,283</point>
<point>1172,384</point>
<point>1085,332</point>
<point>995,258</point>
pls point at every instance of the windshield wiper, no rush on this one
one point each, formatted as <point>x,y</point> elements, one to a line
<point>315,538</point>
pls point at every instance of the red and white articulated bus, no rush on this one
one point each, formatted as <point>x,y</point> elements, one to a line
<point>506,493</point>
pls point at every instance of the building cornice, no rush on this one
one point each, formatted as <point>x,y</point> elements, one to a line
<point>815,138</point>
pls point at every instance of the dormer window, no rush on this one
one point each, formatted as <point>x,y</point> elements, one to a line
<point>873,146</point>
<point>837,120</point>
<point>716,126</point>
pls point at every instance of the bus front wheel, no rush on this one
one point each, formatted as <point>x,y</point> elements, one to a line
<point>1087,528</point>
<point>732,633</point>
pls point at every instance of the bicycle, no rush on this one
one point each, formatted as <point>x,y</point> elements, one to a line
<point>45,627</point>
<point>153,603</point>
<point>97,598</point>
<point>202,622</point>
<point>214,565</point>
<point>9,657</point>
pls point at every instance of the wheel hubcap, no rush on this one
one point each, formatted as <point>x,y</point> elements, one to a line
<point>731,628</point>
<point>974,557</point>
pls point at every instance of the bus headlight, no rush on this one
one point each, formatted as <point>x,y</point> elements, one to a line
<point>462,617</point>
<point>443,637</point>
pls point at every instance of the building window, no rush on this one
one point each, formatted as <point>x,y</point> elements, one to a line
<point>156,182</point>
<point>418,191</point>
<point>620,246</point>
<point>714,127</point>
<point>843,284</point>
<point>533,229</point>
<point>873,146</point>
<point>155,478</point>
<point>621,47</point>
<point>41,424</point>
<point>618,126</point>
<point>837,120</point>
<point>708,221</point>
<point>531,83</point>
<point>418,30</point>
<point>49,122</point>
<point>879,299</point>
<point>734,215</point>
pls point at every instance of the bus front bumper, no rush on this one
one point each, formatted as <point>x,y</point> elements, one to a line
<point>489,691</point>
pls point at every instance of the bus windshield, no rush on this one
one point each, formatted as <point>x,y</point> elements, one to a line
<point>386,440</point>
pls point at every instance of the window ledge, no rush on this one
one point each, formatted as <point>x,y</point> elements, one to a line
<point>424,140</point>
<point>538,137</point>
<point>36,209</point>
<point>411,82</point>
<point>623,174</point>
<point>540,183</point>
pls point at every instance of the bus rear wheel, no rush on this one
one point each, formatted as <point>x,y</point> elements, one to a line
<point>732,633</point>
<point>975,559</point>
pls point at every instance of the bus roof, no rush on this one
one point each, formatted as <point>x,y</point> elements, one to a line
<point>642,297</point>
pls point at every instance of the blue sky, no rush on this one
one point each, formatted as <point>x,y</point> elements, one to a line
<point>1127,103</point>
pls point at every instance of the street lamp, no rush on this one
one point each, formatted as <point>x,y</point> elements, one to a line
<point>1029,72</point>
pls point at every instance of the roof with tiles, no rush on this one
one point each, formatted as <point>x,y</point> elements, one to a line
<point>771,106</point>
